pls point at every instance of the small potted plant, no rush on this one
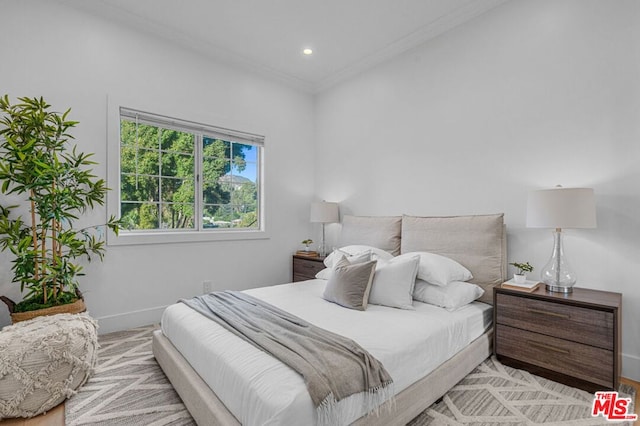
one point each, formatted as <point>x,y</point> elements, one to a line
<point>521,276</point>
<point>307,243</point>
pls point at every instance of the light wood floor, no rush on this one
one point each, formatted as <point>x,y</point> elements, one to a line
<point>55,417</point>
<point>635,405</point>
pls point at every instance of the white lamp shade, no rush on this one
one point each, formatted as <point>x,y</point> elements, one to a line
<point>561,208</point>
<point>324,212</point>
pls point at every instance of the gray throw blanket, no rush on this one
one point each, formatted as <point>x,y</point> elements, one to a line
<point>332,366</point>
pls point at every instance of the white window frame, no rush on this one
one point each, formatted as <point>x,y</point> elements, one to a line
<point>153,236</point>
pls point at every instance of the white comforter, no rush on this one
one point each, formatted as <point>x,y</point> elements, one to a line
<point>260,390</point>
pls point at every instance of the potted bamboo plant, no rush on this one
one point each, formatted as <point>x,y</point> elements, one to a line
<point>55,186</point>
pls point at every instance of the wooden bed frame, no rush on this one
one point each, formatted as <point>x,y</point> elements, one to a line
<point>207,409</point>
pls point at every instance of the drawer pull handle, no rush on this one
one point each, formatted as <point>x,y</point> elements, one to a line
<point>305,265</point>
<point>549,347</point>
<point>551,314</point>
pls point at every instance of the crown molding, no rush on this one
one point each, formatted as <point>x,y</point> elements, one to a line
<point>136,22</point>
<point>428,32</point>
<point>224,57</point>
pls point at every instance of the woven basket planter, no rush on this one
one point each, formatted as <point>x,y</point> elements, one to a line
<point>70,308</point>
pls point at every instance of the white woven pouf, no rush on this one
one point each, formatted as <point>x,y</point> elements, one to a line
<point>43,361</point>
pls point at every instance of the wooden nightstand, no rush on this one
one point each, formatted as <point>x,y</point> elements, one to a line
<point>569,338</point>
<point>306,267</point>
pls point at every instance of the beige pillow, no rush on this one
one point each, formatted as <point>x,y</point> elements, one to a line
<point>349,285</point>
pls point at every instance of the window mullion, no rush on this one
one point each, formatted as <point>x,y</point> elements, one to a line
<point>198,207</point>
<point>160,223</point>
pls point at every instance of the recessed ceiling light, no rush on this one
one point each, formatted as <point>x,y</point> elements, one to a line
<point>307,51</point>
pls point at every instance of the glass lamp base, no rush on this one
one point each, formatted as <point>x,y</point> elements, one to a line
<point>322,250</point>
<point>558,289</point>
<point>557,274</point>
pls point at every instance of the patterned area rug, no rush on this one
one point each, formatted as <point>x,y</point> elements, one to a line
<point>494,394</point>
<point>129,388</point>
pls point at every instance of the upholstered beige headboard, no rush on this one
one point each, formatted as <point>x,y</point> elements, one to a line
<point>382,232</point>
<point>477,242</point>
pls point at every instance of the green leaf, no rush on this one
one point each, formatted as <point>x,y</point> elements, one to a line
<point>38,163</point>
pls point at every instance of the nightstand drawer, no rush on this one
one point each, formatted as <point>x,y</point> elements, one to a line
<point>588,326</point>
<point>581,361</point>
<point>306,268</point>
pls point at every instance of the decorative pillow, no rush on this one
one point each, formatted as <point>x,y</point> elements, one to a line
<point>336,255</point>
<point>356,250</point>
<point>451,297</point>
<point>393,282</point>
<point>377,231</point>
<point>324,274</point>
<point>439,270</point>
<point>349,285</point>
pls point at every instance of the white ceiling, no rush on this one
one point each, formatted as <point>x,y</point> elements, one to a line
<point>347,36</point>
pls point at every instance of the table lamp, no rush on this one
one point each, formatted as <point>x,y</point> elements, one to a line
<point>324,212</point>
<point>560,208</point>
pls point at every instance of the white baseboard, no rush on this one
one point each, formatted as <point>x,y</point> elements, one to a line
<point>631,367</point>
<point>128,320</point>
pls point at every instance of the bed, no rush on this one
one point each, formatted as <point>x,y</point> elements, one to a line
<point>422,366</point>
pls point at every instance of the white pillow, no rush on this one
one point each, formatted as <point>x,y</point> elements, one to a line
<point>451,297</point>
<point>359,257</point>
<point>347,251</point>
<point>393,282</point>
<point>439,270</point>
<point>324,274</point>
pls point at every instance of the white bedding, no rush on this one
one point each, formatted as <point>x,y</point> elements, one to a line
<point>260,390</point>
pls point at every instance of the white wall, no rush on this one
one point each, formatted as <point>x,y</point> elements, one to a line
<point>530,95</point>
<point>76,60</point>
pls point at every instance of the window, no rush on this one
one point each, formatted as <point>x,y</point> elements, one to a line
<point>178,175</point>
